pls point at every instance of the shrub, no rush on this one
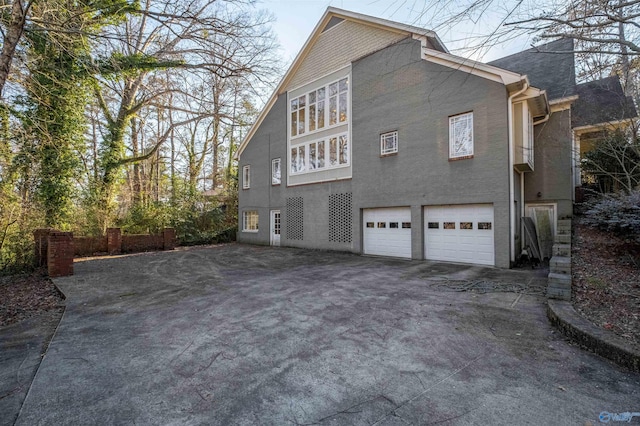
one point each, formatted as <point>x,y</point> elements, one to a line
<point>617,213</point>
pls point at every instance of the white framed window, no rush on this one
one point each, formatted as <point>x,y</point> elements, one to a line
<point>461,136</point>
<point>246,177</point>
<point>389,143</point>
<point>321,108</point>
<point>328,153</point>
<point>250,221</point>
<point>276,174</point>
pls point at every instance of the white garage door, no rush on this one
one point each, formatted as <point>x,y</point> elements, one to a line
<point>461,233</point>
<point>387,231</point>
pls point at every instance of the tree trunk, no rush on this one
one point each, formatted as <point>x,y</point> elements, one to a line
<point>12,37</point>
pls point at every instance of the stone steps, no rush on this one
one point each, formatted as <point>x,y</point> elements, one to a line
<point>559,279</point>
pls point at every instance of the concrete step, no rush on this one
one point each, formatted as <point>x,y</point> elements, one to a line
<point>559,286</point>
<point>562,250</point>
<point>560,265</point>
<point>563,239</point>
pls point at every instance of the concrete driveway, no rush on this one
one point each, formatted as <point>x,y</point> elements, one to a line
<point>243,335</point>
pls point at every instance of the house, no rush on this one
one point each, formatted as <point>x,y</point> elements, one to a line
<point>379,141</point>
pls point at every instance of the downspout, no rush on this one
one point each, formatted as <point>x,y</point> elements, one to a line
<point>512,207</point>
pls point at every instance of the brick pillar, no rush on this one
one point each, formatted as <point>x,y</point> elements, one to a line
<point>41,236</point>
<point>60,254</point>
<point>169,235</point>
<point>114,241</point>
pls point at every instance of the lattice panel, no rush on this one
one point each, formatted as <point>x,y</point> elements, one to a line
<point>295,218</point>
<point>340,218</point>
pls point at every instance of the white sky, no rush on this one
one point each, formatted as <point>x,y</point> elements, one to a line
<point>295,19</point>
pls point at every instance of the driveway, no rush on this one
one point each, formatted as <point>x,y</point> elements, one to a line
<point>243,335</point>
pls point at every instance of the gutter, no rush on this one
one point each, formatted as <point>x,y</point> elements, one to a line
<point>512,207</point>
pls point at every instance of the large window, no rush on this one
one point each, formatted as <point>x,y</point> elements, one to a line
<point>461,136</point>
<point>321,108</point>
<point>275,172</point>
<point>246,177</point>
<point>389,143</point>
<point>250,221</point>
<point>318,155</point>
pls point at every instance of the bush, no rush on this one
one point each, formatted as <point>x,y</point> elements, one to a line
<point>617,213</point>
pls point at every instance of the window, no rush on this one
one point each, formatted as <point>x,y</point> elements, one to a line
<point>246,177</point>
<point>484,225</point>
<point>250,221</point>
<point>382,224</point>
<point>312,156</point>
<point>393,225</point>
<point>449,225</point>
<point>275,172</point>
<point>389,143</point>
<point>461,136</point>
<point>434,225</point>
<point>406,225</point>
<point>323,107</point>
<point>466,225</point>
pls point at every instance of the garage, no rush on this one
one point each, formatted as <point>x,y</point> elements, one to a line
<point>459,233</point>
<point>387,232</point>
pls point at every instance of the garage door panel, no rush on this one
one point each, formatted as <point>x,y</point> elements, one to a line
<point>463,240</point>
<point>387,241</point>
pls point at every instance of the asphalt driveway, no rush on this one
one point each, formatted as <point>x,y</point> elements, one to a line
<point>243,335</point>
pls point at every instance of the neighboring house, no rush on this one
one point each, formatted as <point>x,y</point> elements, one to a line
<point>378,141</point>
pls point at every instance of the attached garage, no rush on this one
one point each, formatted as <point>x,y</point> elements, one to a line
<point>387,232</point>
<point>459,233</point>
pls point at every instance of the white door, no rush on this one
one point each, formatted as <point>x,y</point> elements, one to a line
<point>275,227</point>
<point>387,232</point>
<point>459,233</point>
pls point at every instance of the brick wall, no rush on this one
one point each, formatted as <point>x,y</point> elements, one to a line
<point>60,254</point>
<point>89,246</point>
<point>139,243</point>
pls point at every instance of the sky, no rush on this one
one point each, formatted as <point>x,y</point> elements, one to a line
<point>296,19</point>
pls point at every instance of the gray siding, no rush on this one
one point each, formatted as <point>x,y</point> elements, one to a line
<point>551,179</point>
<point>393,89</point>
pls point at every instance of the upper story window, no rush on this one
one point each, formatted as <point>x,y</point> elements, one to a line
<point>246,177</point>
<point>321,154</point>
<point>461,136</point>
<point>275,172</point>
<point>321,108</point>
<point>389,143</point>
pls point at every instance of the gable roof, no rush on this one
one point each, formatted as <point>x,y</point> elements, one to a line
<point>331,18</point>
<point>433,50</point>
<point>600,102</point>
<point>550,66</point>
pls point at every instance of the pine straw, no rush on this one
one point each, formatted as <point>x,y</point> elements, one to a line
<point>606,281</point>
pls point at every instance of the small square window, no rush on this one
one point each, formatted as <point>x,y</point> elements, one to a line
<point>389,143</point>
<point>246,177</point>
<point>370,225</point>
<point>461,136</point>
<point>393,225</point>
<point>276,174</point>
<point>382,224</point>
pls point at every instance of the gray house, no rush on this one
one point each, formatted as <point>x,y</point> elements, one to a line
<point>379,141</point>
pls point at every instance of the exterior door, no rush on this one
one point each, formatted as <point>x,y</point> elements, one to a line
<point>387,232</point>
<point>459,233</point>
<point>275,227</point>
<point>544,217</point>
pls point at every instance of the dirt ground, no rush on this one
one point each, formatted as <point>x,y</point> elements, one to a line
<point>24,296</point>
<point>606,281</point>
